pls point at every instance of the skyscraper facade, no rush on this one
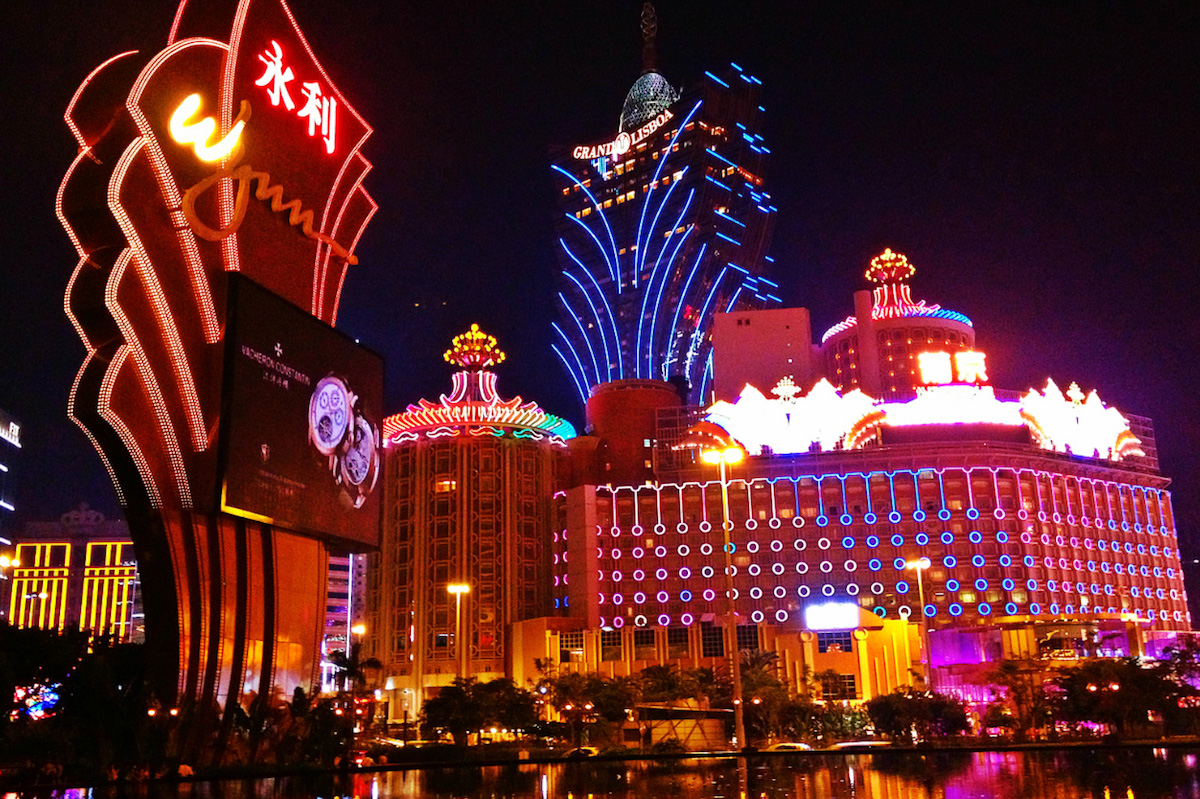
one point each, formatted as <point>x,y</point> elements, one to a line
<point>660,226</point>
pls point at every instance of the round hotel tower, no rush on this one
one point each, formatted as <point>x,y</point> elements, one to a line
<point>876,348</point>
<point>469,481</point>
<point>1040,521</point>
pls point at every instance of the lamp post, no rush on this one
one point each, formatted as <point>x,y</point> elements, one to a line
<point>723,457</point>
<point>919,566</point>
<point>458,589</point>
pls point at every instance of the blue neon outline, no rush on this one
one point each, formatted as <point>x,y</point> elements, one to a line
<point>708,368</point>
<point>674,330</point>
<point>612,320</point>
<point>583,371</point>
<point>733,299</point>
<point>582,394</point>
<point>658,304</point>
<point>567,341</point>
<point>696,336</point>
<point>730,218</point>
<point>718,80</point>
<point>582,332</point>
<point>649,282</point>
<point>612,271</point>
<point>599,323</point>
<point>728,238</point>
<point>600,209</point>
<point>662,162</point>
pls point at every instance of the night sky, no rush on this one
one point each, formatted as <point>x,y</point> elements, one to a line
<point>1038,163</point>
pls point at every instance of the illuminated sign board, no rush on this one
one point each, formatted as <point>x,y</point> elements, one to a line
<point>10,429</point>
<point>941,368</point>
<point>826,420</point>
<point>624,141</point>
<point>791,423</point>
<point>301,434</point>
<point>831,616</point>
<point>206,157</point>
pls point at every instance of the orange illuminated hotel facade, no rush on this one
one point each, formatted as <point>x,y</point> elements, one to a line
<point>886,482</point>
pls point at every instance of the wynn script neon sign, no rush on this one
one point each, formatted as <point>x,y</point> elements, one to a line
<point>198,135</point>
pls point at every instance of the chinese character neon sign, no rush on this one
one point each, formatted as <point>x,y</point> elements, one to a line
<point>942,368</point>
<point>319,109</point>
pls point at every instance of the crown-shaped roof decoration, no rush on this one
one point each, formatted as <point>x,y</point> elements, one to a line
<point>473,407</point>
<point>892,296</point>
<point>890,267</point>
<point>474,350</point>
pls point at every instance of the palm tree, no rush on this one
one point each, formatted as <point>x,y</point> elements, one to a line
<point>353,667</point>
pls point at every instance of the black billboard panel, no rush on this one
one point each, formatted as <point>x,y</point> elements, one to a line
<point>301,422</point>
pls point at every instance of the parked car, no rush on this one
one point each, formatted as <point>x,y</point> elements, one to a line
<point>867,744</point>
<point>789,746</point>
<point>581,752</point>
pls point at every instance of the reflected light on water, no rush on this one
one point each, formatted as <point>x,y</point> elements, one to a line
<point>1111,772</point>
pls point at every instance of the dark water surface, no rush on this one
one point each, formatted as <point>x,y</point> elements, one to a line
<point>1109,773</point>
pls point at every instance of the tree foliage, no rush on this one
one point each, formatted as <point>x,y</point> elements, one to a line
<point>468,705</point>
<point>907,714</point>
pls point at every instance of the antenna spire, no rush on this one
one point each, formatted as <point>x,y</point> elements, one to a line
<point>649,32</point>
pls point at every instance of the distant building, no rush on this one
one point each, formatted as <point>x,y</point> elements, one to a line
<point>77,572</point>
<point>662,223</point>
<point>469,485</point>
<point>10,446</point>
<point>344,607</point>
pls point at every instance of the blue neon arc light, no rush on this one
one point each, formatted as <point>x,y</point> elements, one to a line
<point>658,305</point>
<point>603,298</point>
<point>599,323</point>
<point>615,265</point>
<point>586,339</point>
<point>662,162</point>
<point>583,395</point>
<point>674,332</point>
<point>643,249</point>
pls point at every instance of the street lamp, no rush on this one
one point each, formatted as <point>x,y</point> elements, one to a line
<point>919,566</point>
<point>723,457</point>
<point>458,589</point>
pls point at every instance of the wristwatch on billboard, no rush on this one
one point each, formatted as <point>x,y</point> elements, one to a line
<point>359,461</point>
<point>330,414</point>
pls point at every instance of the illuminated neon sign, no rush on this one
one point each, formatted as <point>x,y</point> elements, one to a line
<point>941,368</point>
<point>825,420</point>
<point>831,616</point>
<point>790,423</point>
<point>319,109</point>
<point>199,134</point>
<point>624,141</point>
<point>474,407</point>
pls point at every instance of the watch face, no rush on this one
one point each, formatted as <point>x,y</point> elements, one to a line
<point>329,414</point>
<point>360,454</point>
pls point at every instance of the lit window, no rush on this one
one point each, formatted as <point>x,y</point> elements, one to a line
<point>445,486</point>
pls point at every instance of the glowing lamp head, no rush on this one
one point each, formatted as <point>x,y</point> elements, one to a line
<point>729,455</point>
<point>458,588</point>
<point>4,562</point>
<point>919,563</point>
<point>359,629</point>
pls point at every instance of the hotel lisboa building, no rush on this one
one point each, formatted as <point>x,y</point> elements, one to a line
<point>889,495</point>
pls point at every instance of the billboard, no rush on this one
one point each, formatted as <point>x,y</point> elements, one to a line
<point>301,421</point>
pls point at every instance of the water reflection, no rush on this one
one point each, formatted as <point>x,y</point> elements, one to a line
<point>1057,774</point>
